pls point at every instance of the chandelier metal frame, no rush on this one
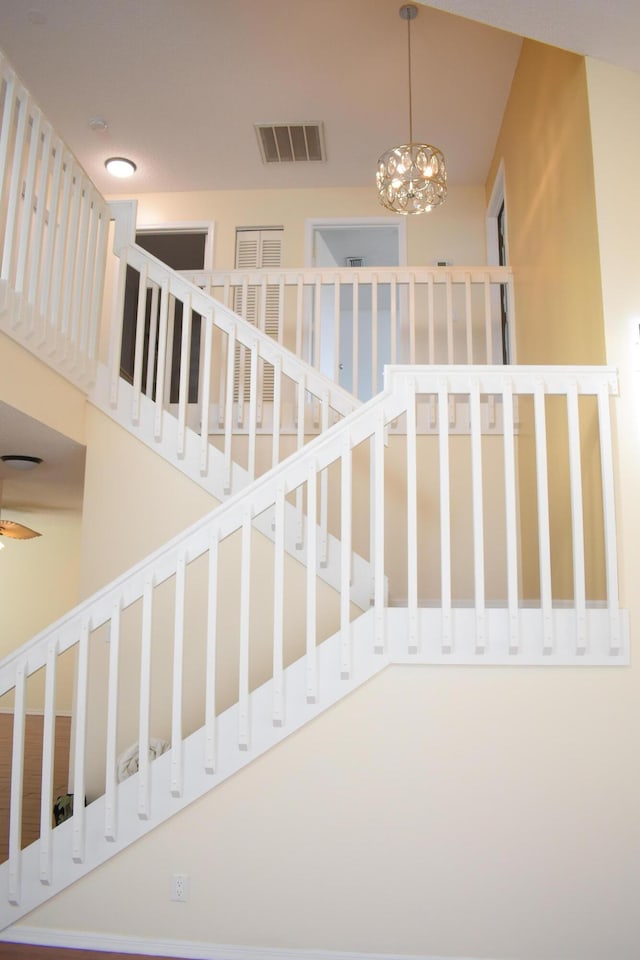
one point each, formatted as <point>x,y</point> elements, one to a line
<point>411,178</point>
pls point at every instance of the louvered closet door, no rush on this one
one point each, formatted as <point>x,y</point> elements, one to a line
<point>257,249</point>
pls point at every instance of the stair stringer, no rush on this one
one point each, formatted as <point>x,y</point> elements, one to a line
<point>332,687</point>
<point>212,480</point>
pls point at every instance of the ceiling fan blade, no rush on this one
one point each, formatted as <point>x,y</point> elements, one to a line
<point>16,531</point>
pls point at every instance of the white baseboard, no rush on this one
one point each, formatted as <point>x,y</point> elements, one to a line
<point>189,949</point>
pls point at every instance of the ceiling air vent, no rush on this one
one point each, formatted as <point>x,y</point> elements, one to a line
<point>291,142</point>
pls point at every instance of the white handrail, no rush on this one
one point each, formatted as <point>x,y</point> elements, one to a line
<point>53,239</point>
<point>209,373</point>
<point>350,322</point>
<point>324,450</point>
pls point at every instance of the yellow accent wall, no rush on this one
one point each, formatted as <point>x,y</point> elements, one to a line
<point>544,146</point>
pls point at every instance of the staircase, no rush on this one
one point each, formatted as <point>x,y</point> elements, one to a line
<point>253,434</point>
<point>261,680</point>
<point>262,615</point>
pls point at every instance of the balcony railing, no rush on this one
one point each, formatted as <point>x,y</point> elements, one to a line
<point>350,323</point>
<point>53,236</point>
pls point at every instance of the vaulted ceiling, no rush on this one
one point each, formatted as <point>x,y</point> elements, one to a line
<point>181,85</point>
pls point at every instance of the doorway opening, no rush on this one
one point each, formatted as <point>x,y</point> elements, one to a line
<point>497,255</point>
<point>502,260</point>
<point>181,247</point>
<point>347,244</point>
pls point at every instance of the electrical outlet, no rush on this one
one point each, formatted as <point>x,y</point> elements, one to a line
<point>179,887</point>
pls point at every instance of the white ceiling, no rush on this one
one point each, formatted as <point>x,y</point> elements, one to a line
<point>181,85</point>
<point>606,31</point>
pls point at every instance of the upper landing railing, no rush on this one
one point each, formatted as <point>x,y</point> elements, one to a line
<point>53,237</point>
<point>232,382</point>
<point>350,322</point>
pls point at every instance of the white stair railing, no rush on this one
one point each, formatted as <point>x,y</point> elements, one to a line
<point>217,397</point>
<point>53,237</point>
<point>351,322</point>
<point>218,375</point>
<point>215,393</point>
<point>218,611</point>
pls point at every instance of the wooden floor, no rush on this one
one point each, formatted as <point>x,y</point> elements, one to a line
<point>20,951</point>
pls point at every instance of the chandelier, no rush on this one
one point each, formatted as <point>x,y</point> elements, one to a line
<point>411,178</point>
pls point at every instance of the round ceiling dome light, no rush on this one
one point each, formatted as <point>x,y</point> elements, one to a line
<point>120,167</point>
<point>19,462</point>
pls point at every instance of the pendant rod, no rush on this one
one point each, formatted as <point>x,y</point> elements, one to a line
<point>409,19</point>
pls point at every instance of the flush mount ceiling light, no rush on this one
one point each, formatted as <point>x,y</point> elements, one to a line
<point>19,462</point>
<point>120,167</point>
<point>411,178</point>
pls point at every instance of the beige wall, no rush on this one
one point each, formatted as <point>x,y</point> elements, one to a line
<point>455,231</point>
<point>39,579</point>
<point>39,582</point>
<point>437,812</point>
<point>134,502</point>
<point>32,387</point>
<point>614,97</point>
